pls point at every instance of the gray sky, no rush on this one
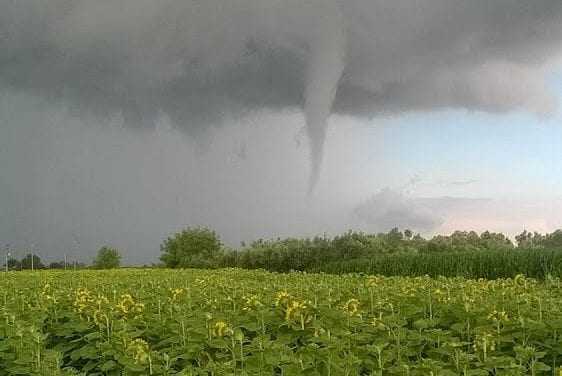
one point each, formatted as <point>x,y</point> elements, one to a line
<point>122,122</point>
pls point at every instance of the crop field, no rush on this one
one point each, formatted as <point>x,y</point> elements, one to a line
<point>237,322</point>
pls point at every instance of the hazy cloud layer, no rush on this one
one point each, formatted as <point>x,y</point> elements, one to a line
<point>69,186</point>
<point>444,215</point>
<point>388,209</point>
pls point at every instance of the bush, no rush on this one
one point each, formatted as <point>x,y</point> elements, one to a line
<point>107,258</point>
<point>26,263</point>
<point>194,247</point>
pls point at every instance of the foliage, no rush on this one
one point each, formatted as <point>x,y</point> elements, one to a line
<point>13,264</point>
<point>461,241</point>
<point>536,240</point>
<point>69,265</point>
<point>57,265</point>
<point>107,258</point>
<point>26,263</point>
<point>539,264</point>
<point>192,247</point>
<point>236,322</point>
<point>370,253</point>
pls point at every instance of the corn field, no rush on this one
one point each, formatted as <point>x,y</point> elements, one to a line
<point>490,264</point>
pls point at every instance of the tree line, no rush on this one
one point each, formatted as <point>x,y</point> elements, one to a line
<point>201,247</point>
<point>106,258</point>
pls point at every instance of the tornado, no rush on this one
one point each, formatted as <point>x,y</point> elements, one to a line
<point>325,68</point>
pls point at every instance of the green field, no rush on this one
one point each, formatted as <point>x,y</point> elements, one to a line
<point>236,322</point>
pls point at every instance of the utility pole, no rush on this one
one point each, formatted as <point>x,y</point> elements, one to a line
<point>7,256</point>
<point>32,255</point>
<point>76,248</point>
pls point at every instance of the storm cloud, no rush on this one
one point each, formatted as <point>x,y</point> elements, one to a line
<point>201,63</point>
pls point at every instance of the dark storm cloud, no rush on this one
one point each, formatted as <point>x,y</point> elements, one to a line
<point>202,62</point>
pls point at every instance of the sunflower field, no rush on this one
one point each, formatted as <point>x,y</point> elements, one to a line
<point>238,322</point>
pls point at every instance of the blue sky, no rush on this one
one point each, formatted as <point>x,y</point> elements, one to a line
<point>507,155</point>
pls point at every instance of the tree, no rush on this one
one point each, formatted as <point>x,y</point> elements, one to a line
<point>57,265</point>
<point>13,264</point>
<point>192,247</point>
<point>107,258</point>
<point>408,234</point>
<point>27,264</point>
<point>523,239</point>
<point>552,241</point>
<point>394,235</point>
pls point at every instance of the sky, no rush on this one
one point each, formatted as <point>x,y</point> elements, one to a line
<point>120,125</point>
<point>514,154</point>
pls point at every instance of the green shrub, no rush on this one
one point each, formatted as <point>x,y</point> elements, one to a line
<point>107,258</point>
